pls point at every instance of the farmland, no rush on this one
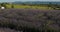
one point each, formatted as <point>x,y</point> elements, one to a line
<point>30,20</point>
<point>49,6</point>
<point>29,7</point>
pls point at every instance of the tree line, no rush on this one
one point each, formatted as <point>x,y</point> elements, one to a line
<point>4,5</point>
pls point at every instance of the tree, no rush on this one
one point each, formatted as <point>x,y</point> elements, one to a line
<point>49,5</point>
<point>12,6</point>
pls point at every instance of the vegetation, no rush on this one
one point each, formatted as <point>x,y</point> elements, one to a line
<point>7,30</point>
<point>49,6</point>
<point>28,20</point>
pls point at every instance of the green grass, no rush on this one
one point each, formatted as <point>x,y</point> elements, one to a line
<point>29,7</point>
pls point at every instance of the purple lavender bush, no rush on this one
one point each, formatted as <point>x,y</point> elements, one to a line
<point>29,20</point>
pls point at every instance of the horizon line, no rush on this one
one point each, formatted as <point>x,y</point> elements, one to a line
<point>29,1</point>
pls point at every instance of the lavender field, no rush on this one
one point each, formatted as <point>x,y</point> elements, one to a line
<point>30,20</point>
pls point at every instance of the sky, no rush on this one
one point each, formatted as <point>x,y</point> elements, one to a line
<point>25,0</point>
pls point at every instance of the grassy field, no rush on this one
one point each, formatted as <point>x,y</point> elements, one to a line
<point>17,6</point>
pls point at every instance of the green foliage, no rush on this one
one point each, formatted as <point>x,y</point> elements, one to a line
<point>12,6</point>
<point>3,4</point>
